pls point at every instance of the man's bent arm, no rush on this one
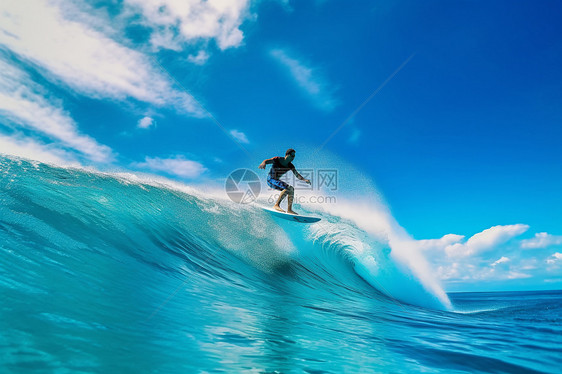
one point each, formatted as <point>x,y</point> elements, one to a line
<point>266,162</point>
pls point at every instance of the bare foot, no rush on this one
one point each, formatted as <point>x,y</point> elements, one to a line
<point>292,212</point>
<point>278,208</point>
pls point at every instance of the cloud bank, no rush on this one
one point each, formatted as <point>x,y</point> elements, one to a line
<point>493,255</point>
<point>25,108</point>
<point>74,47</point>
<point>84,59</point>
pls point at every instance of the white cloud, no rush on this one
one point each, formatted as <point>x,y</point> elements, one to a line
<point>517,275</point>
<point>450,271</point>
<point>146,122</point>
<point>28,148</point>
<point>439,244</point>
<point>174,22</point>
<point>240,136</point>
<point>554,258</point>
<point>308,80</point>
<point>23,106</point>
<point>83,58</point>
<point>541,240</point>
<point>502,260</point>
<point>199,59</point>
<point>53,122</point>
<point>301,73</point>
<point>177,165</point>
<point>528,264</point>
<point>485,240</point>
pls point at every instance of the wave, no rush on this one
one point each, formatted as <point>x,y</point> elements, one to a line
<point>180,230</point>
<point>116,271</point>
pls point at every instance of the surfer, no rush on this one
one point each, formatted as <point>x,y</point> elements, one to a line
<point>280,166</point>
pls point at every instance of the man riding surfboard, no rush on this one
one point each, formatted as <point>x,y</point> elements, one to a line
<point>281,165</point>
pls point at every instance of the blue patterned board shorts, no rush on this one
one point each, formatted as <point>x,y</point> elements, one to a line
<point>276,183</point>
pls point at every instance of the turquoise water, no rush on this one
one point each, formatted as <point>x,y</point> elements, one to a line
<point>111,273</point>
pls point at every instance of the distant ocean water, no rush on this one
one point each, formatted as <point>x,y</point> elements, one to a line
<point>107,273</point>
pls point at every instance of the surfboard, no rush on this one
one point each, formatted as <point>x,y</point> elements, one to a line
<point>291,217</point>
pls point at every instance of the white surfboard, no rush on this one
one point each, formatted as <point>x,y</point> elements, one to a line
<point>291,217</point>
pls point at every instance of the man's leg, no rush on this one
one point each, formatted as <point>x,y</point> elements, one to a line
<point>291,192</point>
<point>281,197</point>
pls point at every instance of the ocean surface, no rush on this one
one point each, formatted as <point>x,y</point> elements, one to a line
<point>116,273</point>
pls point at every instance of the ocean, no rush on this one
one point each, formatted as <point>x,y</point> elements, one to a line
<point>118,273</point>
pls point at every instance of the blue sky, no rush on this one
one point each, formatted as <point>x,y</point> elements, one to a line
<point>461,138</point>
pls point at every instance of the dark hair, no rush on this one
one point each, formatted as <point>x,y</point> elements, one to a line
<point>289,151</point>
